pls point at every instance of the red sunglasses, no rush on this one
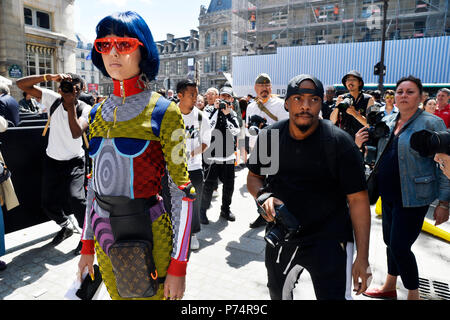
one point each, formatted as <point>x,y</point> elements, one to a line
<point>123,45</point>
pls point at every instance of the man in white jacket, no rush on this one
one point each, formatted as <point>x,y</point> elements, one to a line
<point>220,156</point>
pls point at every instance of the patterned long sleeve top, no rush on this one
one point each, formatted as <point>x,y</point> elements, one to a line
<point>134,136</point>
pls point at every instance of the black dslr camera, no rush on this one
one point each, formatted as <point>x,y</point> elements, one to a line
<point>223,104</point>
<point>377,129</point>
<point>285,226</point>
<point>346,103</point>
<point>255,123</point>
<point>66,86</point>
<point>428,142</point>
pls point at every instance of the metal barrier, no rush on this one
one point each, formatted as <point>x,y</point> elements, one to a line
<point>23,149</point>
<point>32,123</point>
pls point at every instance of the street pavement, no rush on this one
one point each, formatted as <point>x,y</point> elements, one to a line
<point>228,266</point>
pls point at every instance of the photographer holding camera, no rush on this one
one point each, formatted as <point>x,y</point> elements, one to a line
<point>312,200</point>
<point>350,111</point>
<point>219,157</point>
<point>267,108</point>
<point>262,112</point>
<point>63,178</point>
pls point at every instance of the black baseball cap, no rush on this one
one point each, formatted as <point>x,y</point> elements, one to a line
<point>294,83</point>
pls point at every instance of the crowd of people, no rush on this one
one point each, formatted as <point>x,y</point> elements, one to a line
<point>157,159</point>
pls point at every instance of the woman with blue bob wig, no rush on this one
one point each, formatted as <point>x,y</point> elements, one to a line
<point>142,250</point>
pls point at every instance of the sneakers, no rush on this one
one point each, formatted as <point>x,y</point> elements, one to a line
<point>62,235</point>
<point>227,215</point>
<point>195,245</point>
<point>2,265</point>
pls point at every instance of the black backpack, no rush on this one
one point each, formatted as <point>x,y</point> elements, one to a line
<point>55,105</point>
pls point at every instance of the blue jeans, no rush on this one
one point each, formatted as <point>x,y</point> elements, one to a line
<point>401,227</point>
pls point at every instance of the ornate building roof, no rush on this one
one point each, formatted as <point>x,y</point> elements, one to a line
<point>219,5</point>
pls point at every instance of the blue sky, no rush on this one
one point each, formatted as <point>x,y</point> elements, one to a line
<point>162,16</point>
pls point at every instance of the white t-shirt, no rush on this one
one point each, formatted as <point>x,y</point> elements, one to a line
<point>61,146</point>
<point>274,105</point>
<point>195,136</point>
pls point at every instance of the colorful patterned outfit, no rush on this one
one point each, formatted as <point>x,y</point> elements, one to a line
<point>133,138</point>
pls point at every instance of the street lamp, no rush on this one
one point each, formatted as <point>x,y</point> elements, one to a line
<point>383,40</point>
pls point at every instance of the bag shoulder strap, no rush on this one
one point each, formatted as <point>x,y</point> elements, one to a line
<point>200,119</point>
<point>55,105</point>
<point>158,112</point>
<point>265,110</point>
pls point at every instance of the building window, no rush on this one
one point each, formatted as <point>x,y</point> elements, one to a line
<point>179,67</point>
<point>224,63</point>
<point>208,40</point>
<point>225,38</point>
<point>40,62</point>
<point>36,18</point>
<point>167,69</point>
<point>207,65</point>
<point>28,14</point>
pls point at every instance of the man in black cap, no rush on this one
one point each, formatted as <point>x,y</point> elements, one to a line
<point>219,157</point>
<point>317,198</point>
<point>350,111</point>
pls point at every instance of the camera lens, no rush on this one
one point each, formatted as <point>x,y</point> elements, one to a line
<point>274,236</point>
<point>66,86</point>
<point>253,130</point>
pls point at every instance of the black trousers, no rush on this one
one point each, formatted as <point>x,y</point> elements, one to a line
<point>196,177</point>
<point>401,228</point>
<point>326,261</point>
<point>63,190</point>
<point>225,173</point>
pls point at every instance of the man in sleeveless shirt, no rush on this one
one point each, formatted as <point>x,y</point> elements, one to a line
<point>354,117</point>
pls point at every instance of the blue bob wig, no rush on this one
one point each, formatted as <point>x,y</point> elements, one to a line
<point>129,24</point>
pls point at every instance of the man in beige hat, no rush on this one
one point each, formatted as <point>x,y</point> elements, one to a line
<point>265,106</point>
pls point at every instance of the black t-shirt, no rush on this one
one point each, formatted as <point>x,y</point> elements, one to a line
<point>389,174</point>
<point>306,183</point>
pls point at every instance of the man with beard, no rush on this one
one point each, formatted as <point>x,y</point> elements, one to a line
<point>268,107</point>
<point>320,186</point>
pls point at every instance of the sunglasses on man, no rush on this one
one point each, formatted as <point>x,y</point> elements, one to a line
<point>123,45</point>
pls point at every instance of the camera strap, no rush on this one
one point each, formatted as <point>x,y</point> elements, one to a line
<point>265,110</point>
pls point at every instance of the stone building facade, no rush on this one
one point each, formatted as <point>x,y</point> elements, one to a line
<point>178,60</point>
<point>36,37</point>
<point>204,55</point>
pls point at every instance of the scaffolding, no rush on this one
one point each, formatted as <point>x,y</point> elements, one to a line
<point>260,26</point>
